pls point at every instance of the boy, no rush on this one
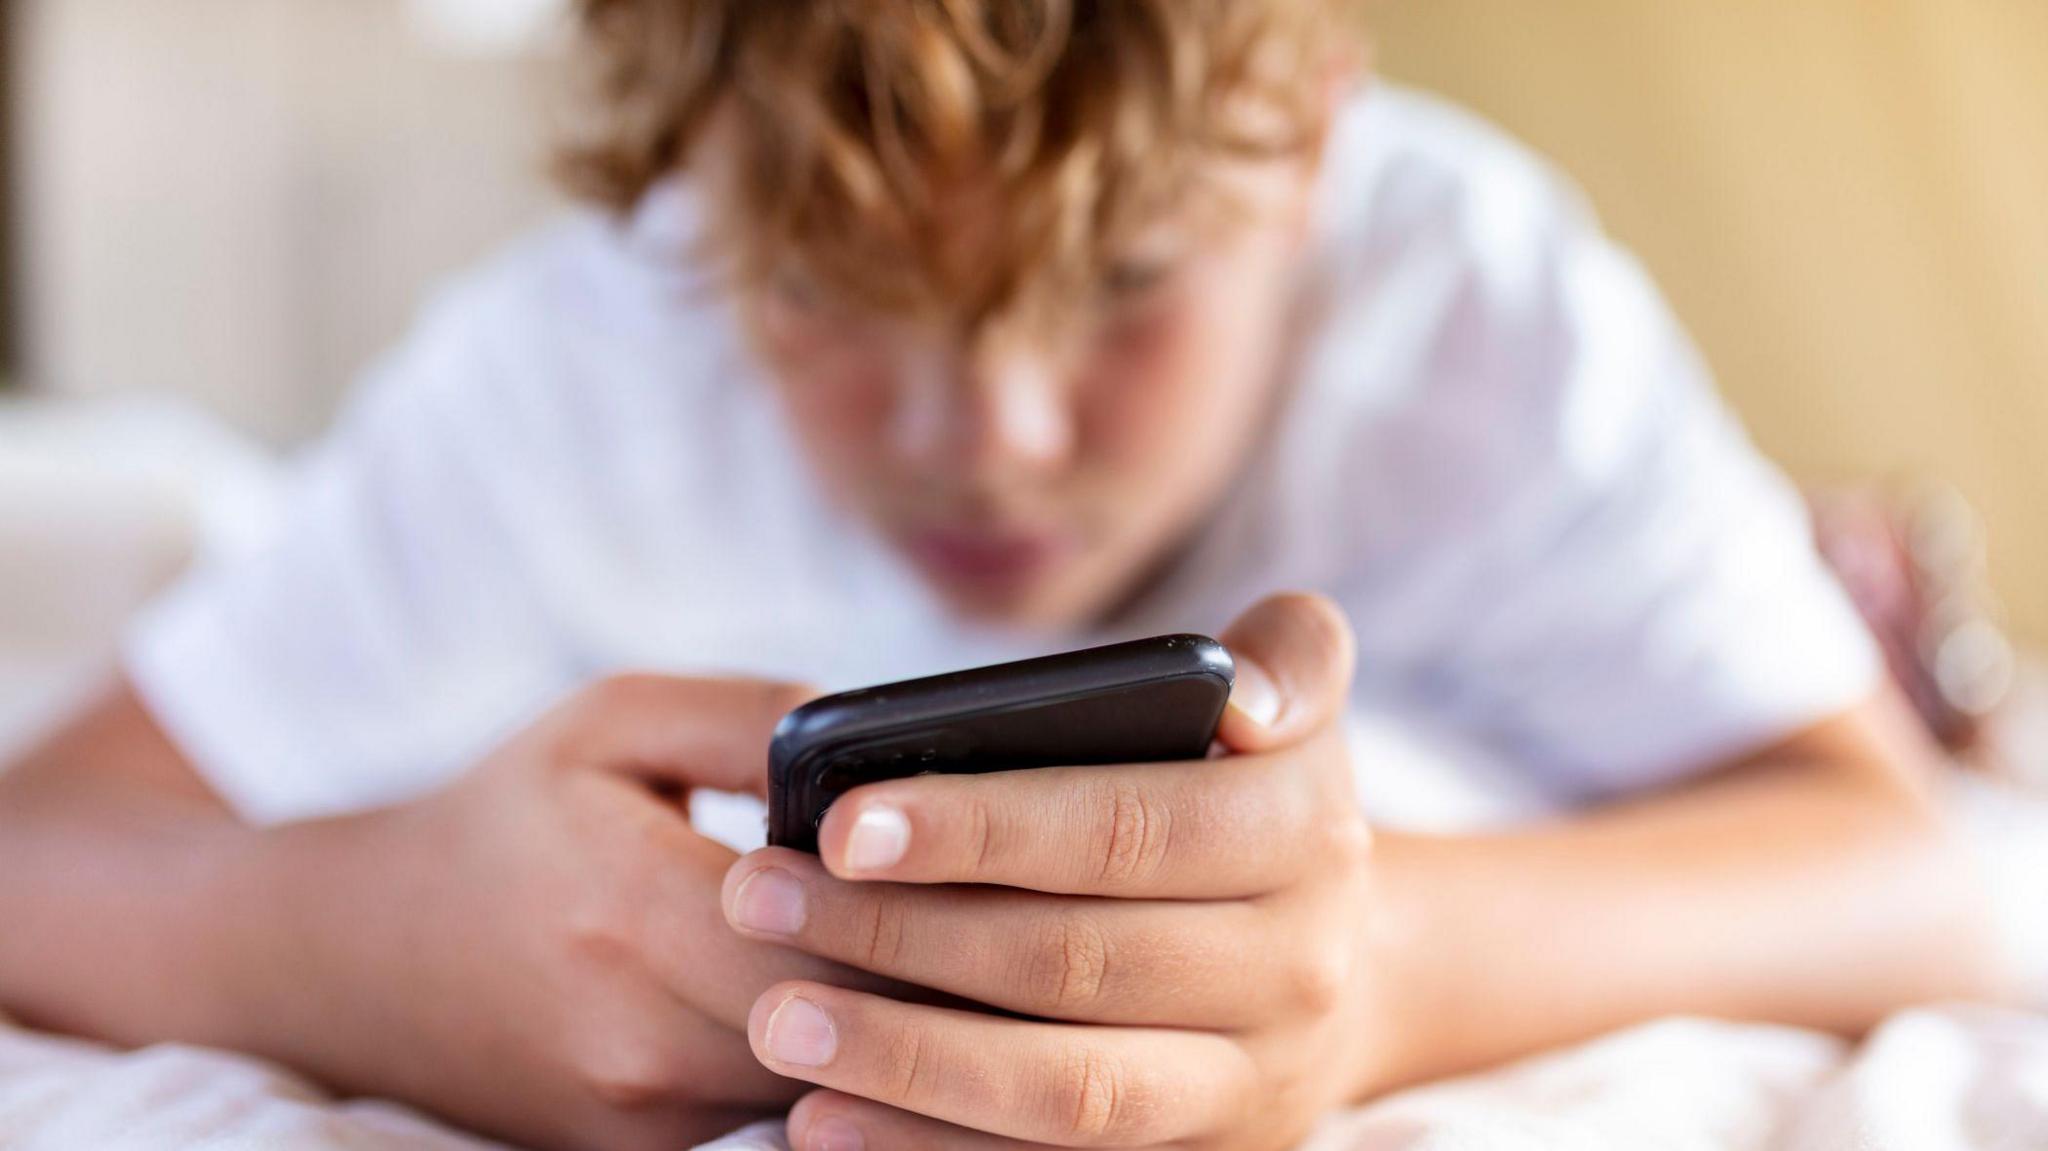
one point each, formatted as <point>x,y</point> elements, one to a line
<point>930,333</point>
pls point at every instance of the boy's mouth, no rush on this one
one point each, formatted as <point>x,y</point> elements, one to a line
<point>984,558</point>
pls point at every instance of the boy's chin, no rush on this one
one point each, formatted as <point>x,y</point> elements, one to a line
<point>1054,602</point>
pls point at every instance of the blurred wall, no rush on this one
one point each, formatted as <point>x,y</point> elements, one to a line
<point>242,201</point>
<point>1847,200</point>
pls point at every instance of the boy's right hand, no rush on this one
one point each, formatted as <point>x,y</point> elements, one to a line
<point>539,950</point>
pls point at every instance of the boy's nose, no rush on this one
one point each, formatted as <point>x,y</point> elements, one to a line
<point>987,413</point>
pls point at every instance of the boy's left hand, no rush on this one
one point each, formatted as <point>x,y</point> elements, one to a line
<point>1184,946</point>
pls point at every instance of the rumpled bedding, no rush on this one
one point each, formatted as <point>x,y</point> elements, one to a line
<point>1951,1078</point>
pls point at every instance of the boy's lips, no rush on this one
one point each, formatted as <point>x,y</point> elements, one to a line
<point>984,557</point>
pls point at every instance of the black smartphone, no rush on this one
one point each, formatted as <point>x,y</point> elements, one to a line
<point>1146,701</point>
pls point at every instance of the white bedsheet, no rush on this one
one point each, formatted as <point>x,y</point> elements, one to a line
<point>1961,1078</point>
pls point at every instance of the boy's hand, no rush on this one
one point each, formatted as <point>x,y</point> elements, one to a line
<point>539,951</point>
<point>1186,941</point>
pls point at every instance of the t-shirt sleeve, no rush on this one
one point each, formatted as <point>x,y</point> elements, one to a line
<point>1569,545</point>
<point>383,630</point>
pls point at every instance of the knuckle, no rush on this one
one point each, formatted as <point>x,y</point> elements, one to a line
<point>911,1081</point>
<point>1099,1103</point>
<point>882,922</point>
<point>626,1074</point>
<point>613,692</point>
<point>980,837</point>
<point>1070,966</point>
<point>1317,977</point>
<point>599,932</point>
<point>1136,838</point>
<point>778,697</point>
<point>612,921</point>
<point>1347,839</point>
<point>577,721</point>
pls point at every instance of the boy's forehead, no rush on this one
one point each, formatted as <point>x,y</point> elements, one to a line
<point>973,226</point>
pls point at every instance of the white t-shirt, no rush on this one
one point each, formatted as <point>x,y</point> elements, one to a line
<point>1498,452</point>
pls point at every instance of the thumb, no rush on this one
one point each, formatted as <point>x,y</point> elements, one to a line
<point>675,732</point>
<point>1294,657</point>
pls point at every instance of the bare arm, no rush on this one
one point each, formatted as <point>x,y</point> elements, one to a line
<point>1814,885</point>
<point>534,951</point>
<point>117,881</point>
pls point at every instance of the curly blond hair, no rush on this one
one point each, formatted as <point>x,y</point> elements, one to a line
<point>855,122</point>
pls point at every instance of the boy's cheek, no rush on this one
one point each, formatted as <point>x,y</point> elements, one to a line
<point>839,414</point>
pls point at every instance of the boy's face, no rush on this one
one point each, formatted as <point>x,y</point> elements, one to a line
<point>1041,477</point>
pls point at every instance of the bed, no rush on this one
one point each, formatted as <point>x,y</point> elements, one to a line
<point>1951,1078</point>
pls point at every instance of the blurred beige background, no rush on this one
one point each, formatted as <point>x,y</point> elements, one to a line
<point>240,201</point>
<point>1847,201</point>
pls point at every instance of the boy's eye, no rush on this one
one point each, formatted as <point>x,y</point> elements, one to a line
<point>796,290</point>
<point>1131,278</point>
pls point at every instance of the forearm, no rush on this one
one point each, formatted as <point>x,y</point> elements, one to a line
<point>118,904</point>
<point>1790,893</point>
<point>134,905</point>
<point>137,914</point>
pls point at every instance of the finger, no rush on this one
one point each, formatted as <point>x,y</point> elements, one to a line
<point>724,974</point>
<point>1294,656</point>
<point>653,1050</point>
<point>640,1050</point>
<point>1129,962</point>
<point>1213,829</point>
<point>662,882</point>
<point>831,1121</point>
<point>1045,1082</point>
<point>687,732</point>
<point>719,1055</point>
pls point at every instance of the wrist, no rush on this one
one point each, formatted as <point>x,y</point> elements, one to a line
<point>1408,1017</point>
<point>290,933</point>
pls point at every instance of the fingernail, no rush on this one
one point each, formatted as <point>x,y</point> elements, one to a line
<point>879,838</point>
<point>1254,693</point>
<point>833,1135</point>
<point>800,1034</point>
<point>770,901</point>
